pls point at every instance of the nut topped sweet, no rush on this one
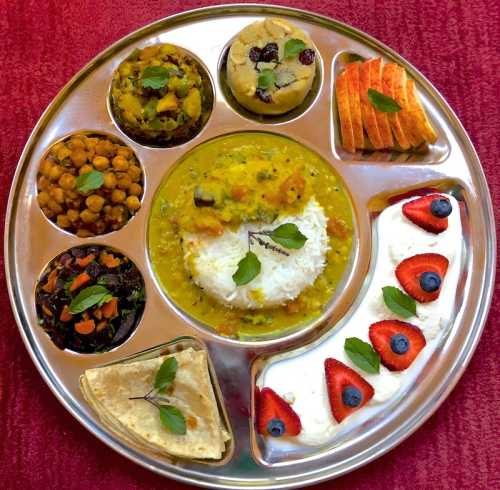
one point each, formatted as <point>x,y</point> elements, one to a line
<point>161,96</point>
<point>271,66</point>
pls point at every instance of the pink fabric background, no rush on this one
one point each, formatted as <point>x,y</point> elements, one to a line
<point>454,43</point>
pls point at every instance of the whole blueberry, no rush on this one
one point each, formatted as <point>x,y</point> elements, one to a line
<point>400,343</point>
<point>441,208</point>
<point>276,427</point>
<point>269,52</point>
<point>254,54</point>
<point>430,281</point>
<point>306,56</point>
<point>351,396</point>
<point>263,95</point>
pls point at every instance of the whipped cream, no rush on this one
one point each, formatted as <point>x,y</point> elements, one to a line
<point>300,374</point>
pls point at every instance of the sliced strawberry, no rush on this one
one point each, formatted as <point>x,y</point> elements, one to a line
<point>413,271</point>
<point>275,416</point>
<point>420,212</point>
<point>398,343</point>
<point>347,390</point>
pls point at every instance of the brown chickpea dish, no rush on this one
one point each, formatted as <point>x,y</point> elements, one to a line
<point>90,184</point>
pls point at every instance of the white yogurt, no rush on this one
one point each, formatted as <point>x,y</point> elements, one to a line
<point>301,374</point>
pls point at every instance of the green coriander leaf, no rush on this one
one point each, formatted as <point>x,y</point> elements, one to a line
<point>166,373</point>
<point>399,302</point>
<point>248,269</point>
<point>155,77</point>
<point>288,235</point>
<point>87,298</point>
<point>382,102</point>
<point>293,47</point>
<point>89,181</point>
<point>362,354</point>
<point>267,78</point>
<point>172,418</point>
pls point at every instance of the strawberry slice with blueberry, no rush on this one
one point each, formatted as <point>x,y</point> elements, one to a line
<point>398,343</point>
<point>422,275</point>
<point>429,212</point>
<point>347,390</point>
<point>275,417</point>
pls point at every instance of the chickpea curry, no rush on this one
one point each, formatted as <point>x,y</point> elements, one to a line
<point>90,184</point>
<point>161,96</point>
<point>241,178</point>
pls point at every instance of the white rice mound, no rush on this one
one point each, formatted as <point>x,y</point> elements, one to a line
<point>212,261</point>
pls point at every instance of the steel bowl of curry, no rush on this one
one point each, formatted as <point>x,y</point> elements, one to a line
<point>250,234</point>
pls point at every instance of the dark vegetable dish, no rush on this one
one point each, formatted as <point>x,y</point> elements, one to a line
<point>90,184</point>
<point>90,299</point>
<point>161,96</point>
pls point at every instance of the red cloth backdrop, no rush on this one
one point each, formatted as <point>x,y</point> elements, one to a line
<point>453,42</point>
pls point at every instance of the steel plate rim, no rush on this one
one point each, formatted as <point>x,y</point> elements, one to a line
<point>463,357</point>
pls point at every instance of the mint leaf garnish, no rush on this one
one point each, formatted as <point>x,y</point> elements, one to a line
<point>248,269</point>
<point>362,354</point>
<point>382,102</point>
<point>398,302</point>
<point>267,78</point>
<point>89,181</point>
<point>166,373</point>
<point>288,235</point>
<point>172,418</point>
<point>87,298</point>
<point>293,47</point>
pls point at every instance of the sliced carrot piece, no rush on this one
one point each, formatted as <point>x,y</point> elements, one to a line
<point>342,95</point>
<point>79,281</point>
<point>109,260</point>
<point>50,285</point>
<point>66,315</point>
<point>101,326</point>
<point>382,119</point>
<point>85,327</point>
<point>367,110</point>
<point>46,310</point>
<point>85,261</point>
<point>388,76</point>
<point>352,73</point>
<point>110,309</point>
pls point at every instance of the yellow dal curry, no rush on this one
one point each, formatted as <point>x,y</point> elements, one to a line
<point>235,179</point>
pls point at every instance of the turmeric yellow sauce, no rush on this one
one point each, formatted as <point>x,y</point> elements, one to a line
<point>236,179</point>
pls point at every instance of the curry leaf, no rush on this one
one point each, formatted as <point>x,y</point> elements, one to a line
<point>399,302</point>
<point>293,47</point>
<point>166,373</point>
<point>248,269</point>
<point>362,354</point>
<point>267,78</point>
<point>89,181</point>
<point>382,102</point>
<point>172,418</point>
<point>87,298</point>
<point>155,77</point>
<point>288,235</point>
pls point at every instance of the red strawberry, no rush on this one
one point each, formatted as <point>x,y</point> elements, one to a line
<point>398,343</point>
<point>275,416</point>
<point>422,275</point>
<point>347,390</point>
<point>429,212</point>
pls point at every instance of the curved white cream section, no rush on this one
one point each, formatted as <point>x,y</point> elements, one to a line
<point>302,375</point>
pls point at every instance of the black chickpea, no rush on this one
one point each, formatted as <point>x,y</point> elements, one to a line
<point>90,184</point>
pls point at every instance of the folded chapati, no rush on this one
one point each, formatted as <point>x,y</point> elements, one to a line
<point>108,389</point>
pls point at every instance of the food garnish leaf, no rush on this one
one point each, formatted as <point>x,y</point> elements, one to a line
<point>155,77</point>
<point>248,269</point>
<point>398,302</point>
<point>382,102</point>
<point>353,57</point>
<point>267,78</point>
<point>293,47</point>
<point>288,235</point>
<point>362,354</point>
<point>105,299</point>
<point>89,181</point>
<point>172,418</point>
<point>87,298</point>
<point>166,373</point>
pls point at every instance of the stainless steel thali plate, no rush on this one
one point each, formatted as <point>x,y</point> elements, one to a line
<point>31,241</point>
